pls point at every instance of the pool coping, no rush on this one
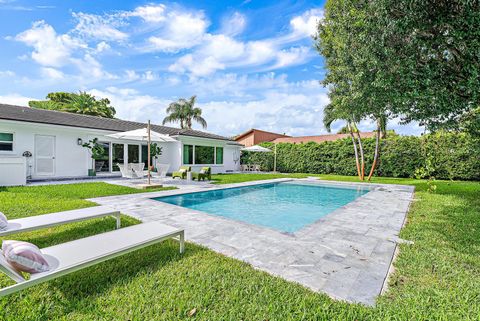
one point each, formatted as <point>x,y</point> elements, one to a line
<point>346,254</point>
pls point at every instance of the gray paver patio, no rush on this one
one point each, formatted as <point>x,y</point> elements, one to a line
<point>346,254</point>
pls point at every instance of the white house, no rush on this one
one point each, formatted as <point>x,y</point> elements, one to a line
<point>52,141</point>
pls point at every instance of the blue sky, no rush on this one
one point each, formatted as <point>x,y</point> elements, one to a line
<point>250,63</point>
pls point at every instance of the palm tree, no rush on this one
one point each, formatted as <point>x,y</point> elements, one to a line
<point>183,111</point>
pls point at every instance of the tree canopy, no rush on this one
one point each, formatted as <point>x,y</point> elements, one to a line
<point>184,112</point>
<point>419,60</point>
<point>78,103</point>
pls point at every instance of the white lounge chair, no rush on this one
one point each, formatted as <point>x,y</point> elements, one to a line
<point>162,170</point>
<point>76,255</point>
<point>127,171</point>
<point>48,220</point>
<point>137,169</point>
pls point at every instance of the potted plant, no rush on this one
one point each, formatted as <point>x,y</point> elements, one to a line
<point>97,152</point>
<point>155,152</point>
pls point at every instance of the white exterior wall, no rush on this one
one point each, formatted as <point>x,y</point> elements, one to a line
<point>72,160</point>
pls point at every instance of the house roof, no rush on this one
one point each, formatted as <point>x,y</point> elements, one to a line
<point>41,116</point>
<point>257,130</point>
<point>319,138</point>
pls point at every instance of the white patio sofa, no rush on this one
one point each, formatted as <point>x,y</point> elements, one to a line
<point>76,255</point>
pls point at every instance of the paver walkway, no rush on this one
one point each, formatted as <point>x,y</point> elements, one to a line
<point>346,254</point>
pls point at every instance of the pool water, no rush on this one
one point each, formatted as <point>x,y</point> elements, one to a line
<point>286,206</point>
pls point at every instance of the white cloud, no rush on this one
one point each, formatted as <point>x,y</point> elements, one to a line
<point>150,13</point>
<point>180,30</point>
<point>99,27</point>
<point>102,46</point>
<point>292,56</point>
<point>15,99</point>
<point>234,24</point>
<point>91,70</point>
<point>7,73</point>
<point>52,73</point>
<point>132,75</point>
<point>306,24</point>
<point>132,105</point>
<point>50,49</point>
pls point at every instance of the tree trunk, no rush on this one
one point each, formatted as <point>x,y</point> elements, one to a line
<point>355,149</point>
<point>362,159</point>
<point>377,151</point>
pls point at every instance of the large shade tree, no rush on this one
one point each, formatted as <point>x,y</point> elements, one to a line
<point>418,60</point>
<point>184,112</point>
<point>78,103</point>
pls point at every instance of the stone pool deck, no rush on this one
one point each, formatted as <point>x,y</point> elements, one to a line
<point>346,254</point>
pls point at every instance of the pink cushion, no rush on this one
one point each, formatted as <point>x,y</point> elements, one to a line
<point>3,221</point>
<point>24,256</point>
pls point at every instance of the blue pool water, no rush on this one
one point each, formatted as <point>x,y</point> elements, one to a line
<point>286,206</point>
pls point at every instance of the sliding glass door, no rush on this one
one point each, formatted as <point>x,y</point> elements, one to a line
<point>118,156</point>
<point>103,164</point>
<point>133,153</point>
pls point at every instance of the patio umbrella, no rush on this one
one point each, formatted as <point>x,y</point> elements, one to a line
<point>259,149</point>
<point>256,148</point>
<point>144,134</point>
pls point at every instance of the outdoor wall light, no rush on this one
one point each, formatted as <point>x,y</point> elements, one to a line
<point>80,142</point>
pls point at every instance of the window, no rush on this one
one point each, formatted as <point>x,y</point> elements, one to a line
<point>204,155</point>
<point>188,154</point>
<point>6,142</point>
<point>219,156</point>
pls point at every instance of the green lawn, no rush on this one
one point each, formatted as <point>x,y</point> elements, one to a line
<point>437,278</point>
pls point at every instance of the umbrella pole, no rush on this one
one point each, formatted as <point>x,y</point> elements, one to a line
<point>275,160</point>
<point>148,148</point>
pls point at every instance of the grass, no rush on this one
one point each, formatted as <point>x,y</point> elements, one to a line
<point>437,278</point>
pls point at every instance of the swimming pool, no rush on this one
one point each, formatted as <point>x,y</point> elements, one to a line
<point>286,206</point>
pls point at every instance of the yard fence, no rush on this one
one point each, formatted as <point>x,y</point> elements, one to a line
<point>441,155</point>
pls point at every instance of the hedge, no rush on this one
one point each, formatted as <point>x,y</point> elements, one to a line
<point>446,155</point>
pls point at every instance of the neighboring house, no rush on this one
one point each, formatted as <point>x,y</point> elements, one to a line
<point>54,140</point>
<point>256,136</point>
<point>319,138</point>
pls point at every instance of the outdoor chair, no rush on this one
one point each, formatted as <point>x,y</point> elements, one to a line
<point>205,173</point>
<point>182,172</point>
<point>48,220</point>
<point>138,169</point>
<point>79,254</point>
<point>162,170</point>
<point>126,171</point>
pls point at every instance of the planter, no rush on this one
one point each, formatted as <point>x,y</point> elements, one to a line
<point>91,172</point>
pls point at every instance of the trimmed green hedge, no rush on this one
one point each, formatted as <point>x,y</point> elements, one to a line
<point>447,155</point>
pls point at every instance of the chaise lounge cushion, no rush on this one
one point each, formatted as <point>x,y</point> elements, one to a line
<point>3,222</point>
<point>24,256</point>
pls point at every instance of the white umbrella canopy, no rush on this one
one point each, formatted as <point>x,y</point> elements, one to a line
<point>256,148</point>
<point>142,134</point>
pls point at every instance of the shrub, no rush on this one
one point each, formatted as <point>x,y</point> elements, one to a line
<point>451,156</point>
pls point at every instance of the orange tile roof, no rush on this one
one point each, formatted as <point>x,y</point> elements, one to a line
<point>319,138</point>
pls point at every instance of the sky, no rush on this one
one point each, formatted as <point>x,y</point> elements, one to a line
<point>251,64</point>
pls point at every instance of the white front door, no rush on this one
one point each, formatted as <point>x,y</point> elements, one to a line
<point>44,155</point>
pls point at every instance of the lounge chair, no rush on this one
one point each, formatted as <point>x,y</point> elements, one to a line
<point>76,255</point>
<point>127,171</point>
<point>205,173</point>
<point>48,220</point>
<point>138,169</point>
<point>182,172</point>
<point>162,170</point>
